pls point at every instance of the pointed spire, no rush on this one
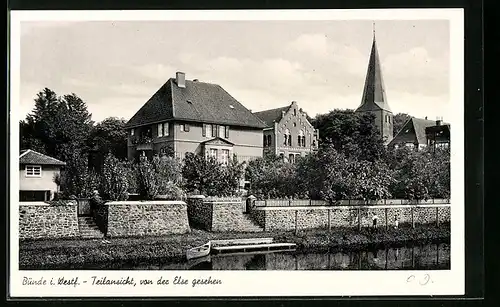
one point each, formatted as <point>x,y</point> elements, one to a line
<point>374,91</point>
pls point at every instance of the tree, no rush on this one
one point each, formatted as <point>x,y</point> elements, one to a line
<point>207,176</point>
<point>353,134</point>
<point>114,179</point>
<point>421,174</point>
<point>108,136</point>
<point>398,121</point>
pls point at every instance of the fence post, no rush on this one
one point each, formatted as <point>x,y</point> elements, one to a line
<point>359,219</point>
<point>296,221</point>
<point>437,216</point>
<point>412,218</point>
<point>289,203</point>
<point>310,202</point>
<point>386,221</point>
<point>329,220</point>
<point>265,202</point>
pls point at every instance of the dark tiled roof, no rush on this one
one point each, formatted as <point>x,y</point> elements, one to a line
<point>32,157</point>
<point>374,97</point>
<point>199,102</point>
<point>418,125</point>
<point>271,116</point>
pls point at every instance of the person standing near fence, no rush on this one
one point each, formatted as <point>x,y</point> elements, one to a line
<point>396,222</point>
<point>374,221</point>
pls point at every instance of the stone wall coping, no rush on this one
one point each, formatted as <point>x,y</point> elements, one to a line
<point>44,204</point>
<point>145,202</point>
<point>349,207</point>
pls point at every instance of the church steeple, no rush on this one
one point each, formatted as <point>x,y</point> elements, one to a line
<point>374,97</point>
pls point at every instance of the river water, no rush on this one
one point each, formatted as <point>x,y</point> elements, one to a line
<point>435,256</point>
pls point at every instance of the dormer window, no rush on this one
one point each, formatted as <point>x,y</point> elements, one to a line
<point>132,132</point>
<point>33,171</point>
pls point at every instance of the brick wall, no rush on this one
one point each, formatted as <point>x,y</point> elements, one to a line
<point>291,218</point>
<point>39,220</point>
<point>151,218</point>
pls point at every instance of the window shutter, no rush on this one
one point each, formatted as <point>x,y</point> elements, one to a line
<point>227,132</point>
<point>204,130</point>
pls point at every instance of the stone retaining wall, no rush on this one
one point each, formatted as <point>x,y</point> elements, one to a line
<point>40,220</point>
<point>297,218</point>
<point>151,218</point>
<point>218,214</point>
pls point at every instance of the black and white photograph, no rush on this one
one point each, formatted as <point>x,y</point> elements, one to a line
<point>169,155</point>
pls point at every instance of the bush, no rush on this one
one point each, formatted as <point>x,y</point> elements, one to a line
<point>421,174</point>
<point>114,179</point>
<point>207,176</point>
<point>271,177</point>
<point>147,180</point>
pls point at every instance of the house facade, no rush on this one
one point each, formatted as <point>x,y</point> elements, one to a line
<point>288,133</point>
<point>189,116</point>
<point>374,99</point>
<point>418,133</point>
<point>438,135</point>
<point>37,176</point>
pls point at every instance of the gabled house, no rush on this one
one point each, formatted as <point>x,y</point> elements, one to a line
<point>288,133</point>
<point>415,133</point>
<point>438,136</point>
<point>37,176</point>
<point>374,99</point>
<point>192,116</point>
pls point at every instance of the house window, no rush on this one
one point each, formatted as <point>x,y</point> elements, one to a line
<point>207,130</point>
<point>291,158</point>
<point>213,153</point>
<point>294,112</point>
<point>301,139</point>
<point>269,140</point>
<point>132,132</point>
<point>33,171</point>
<point>265,141</point>
<point>214,130</point>
<point>184,127</point>
<point>224,156</point>
<point>288,138</point>
<point>163,129</point>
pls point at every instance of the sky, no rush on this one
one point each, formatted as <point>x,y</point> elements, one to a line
<point>115,67</point>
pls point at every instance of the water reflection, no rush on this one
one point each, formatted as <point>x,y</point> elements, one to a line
<point>420,257</point>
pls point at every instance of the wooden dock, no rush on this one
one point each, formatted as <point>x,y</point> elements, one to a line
<point>276,247</point>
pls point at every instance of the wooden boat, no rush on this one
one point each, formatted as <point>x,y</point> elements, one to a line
<point>199,251</point>
<point>248,241</point>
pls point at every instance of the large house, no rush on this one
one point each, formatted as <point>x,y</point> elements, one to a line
<point>374,99</point>
<point>288,133</point>
<point>186,116</point>
<point>418,133</point>
<point>37,176</point>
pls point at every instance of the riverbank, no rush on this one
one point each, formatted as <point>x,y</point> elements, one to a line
<point>88,253</point>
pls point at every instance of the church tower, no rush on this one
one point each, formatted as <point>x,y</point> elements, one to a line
<point>374,99</point>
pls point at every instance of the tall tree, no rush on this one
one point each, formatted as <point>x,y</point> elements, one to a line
<point>398,121</point>
<point>353,134</point>
<point>108,136</point>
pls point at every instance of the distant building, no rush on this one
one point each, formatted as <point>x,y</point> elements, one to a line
<point>37,174</point>
<point>374,99</point>
<point>438,136</point>
<point>419,133</point>
<point>198,117</point>
<point>288,132</point>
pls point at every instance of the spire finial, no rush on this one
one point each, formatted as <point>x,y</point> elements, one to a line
<point>374,30</point>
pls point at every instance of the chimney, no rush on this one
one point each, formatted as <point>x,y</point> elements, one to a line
<point>180,79</point>
<point>426,117</point>
<point>439,121</point>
